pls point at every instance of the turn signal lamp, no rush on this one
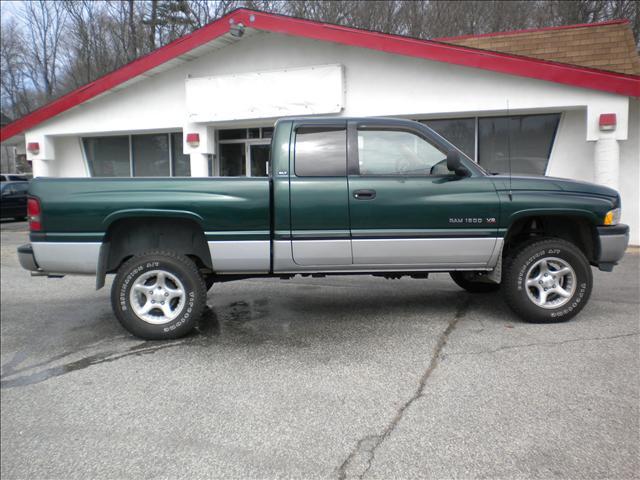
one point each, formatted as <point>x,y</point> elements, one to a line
<point>33,212</point>
<point>612,217</point>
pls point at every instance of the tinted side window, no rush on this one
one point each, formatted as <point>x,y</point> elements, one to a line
<point>393,152</point>
<point>321,152</point>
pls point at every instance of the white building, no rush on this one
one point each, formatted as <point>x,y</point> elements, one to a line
<point>206,103</point>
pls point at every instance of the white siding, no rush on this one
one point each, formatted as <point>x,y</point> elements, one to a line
<point>630,173</point>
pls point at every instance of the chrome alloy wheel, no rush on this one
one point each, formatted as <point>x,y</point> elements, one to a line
<point>550,282</point>
<point>157,297</point>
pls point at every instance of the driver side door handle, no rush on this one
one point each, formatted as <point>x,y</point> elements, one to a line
<point>364,194</point>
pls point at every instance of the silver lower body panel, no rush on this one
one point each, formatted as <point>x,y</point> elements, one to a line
<point>67,257</point>
<point>241,256</point>
<point>423,251</point>
<point>437,254</point>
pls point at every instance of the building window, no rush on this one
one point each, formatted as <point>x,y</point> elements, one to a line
<point>232,160</point>
<point>523,141</point>
<point>108,156</point>
<point>459,131</point>
<point>150,155</point>
<point>321,152</point>
<point>181,161</point>
<point>244,151</point>
<point>518,144</point>
<point>153,155</point>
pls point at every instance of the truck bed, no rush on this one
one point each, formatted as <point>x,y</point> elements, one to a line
<point>85,207</point>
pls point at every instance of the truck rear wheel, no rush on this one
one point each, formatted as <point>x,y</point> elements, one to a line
<point>158,295</point>
<point>466,280</point>
<point>547,281</point>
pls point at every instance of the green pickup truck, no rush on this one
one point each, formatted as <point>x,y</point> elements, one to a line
<point>374,196</point>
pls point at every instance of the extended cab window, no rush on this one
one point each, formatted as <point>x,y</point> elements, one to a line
<point>321,152</point>
<point>396,152</point>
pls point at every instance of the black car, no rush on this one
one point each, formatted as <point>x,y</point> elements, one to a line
<point>11,177</point>
<point>13,200</point>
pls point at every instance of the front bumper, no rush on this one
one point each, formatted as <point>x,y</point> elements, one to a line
<point>27,259</point>
<point>613,243</point>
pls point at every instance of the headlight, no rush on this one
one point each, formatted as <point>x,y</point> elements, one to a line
<point>612,217</point>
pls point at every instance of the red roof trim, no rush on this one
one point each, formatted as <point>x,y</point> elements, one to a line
<point>533,30</point>
<point>499,62</point>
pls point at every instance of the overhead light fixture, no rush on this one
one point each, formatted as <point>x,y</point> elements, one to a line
<point>236,29</point>
<point>193,140</point>
<point>33,148</point>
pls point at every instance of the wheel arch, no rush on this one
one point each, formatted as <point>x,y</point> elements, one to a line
<point>575,226</point>
<point>136,231</point>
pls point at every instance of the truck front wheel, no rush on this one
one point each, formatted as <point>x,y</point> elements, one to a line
<point>158,295</point>
<point>547,281</point>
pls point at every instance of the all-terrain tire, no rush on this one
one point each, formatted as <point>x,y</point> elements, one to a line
<point>464,280</point>
<point>524,282</point>
<point>168,295</point>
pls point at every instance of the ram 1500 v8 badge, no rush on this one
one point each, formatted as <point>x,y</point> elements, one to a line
<point>346,195</point>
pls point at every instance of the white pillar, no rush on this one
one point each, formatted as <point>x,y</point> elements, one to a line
<point>607,161</point>
<point>41,168</point>
<point>199,151</point>
<point>199,164</point>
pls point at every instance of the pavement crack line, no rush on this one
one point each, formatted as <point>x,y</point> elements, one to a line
<point>543,344</point>
<point>143,349</point>
<point>367,446</point>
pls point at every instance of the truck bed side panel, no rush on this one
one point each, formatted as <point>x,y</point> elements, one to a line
<point>232,212</point>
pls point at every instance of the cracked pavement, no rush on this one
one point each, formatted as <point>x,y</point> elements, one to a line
<point>343,377</point>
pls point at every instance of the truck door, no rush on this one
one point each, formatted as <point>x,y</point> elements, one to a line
<point>408,210</point>
<point>319,196</point>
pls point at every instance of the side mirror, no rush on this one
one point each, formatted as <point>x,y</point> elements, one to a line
<point>454,164</point>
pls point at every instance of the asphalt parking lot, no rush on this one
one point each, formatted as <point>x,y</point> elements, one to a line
<point>341,377</point>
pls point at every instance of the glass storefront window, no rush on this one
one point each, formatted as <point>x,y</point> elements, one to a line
<point>525,141</point>
<point>459,131</point>
<point>232,160</point>
<point>260,160</point>
<point>181,162</point>
<point>233,134</point>
<point>150,155</point>
<point>107,156</point>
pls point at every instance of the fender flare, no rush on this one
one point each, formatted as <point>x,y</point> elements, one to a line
<point>150,212</point>
<point>101,270</point>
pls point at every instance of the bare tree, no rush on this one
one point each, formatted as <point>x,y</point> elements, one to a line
<point>14,83</point>
<point>45,22</point>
